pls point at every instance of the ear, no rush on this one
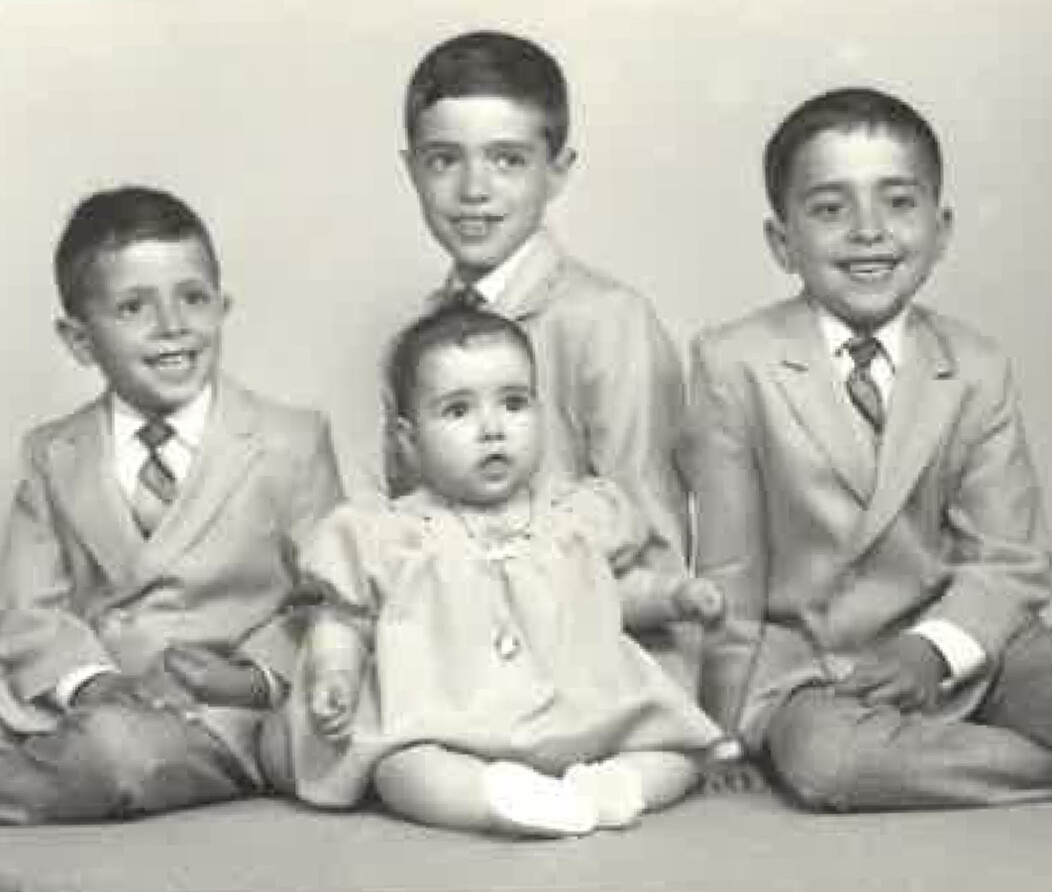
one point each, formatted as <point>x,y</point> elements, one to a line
<point>778,243</point>
<point>945,230</point>
<point>559,169</point>
<point>76,338</point>
<point>405,436</point>
<point>227,302</point>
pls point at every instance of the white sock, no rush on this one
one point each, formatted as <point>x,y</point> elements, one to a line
<point>525,801</point>
<point>615,790</point>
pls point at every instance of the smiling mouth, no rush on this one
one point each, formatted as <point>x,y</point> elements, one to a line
<point>870,270</point>
<point>476,227</point>
<point>173,360</point>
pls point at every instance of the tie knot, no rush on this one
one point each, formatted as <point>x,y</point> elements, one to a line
<point>467,296</point>
<point>862,348</point>
<point>155,433</point>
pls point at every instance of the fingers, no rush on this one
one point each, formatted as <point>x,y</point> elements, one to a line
<point>331,707</point>
<point>700,600</point>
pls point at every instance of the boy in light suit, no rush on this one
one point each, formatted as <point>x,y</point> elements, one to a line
<point>487,123</point>
<point>866,499</point>
<point>145,567</point>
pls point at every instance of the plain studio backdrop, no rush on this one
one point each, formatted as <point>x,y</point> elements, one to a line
<point>280,122</point>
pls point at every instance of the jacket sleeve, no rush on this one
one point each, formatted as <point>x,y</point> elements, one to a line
<point>998,561</point>
<point>314,489</point>
<point>42,636</point>
<point>631,404</point>
<point>718,458</point>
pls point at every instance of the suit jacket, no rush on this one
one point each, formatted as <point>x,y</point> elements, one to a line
<point>80,585</point>
<point>611,386</point>
<point>825,542</point>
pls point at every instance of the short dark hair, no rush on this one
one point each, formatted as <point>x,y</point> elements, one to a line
<point>846,109</point>
<point>449,326</point>
<point>113,219</point>
<point>492,63</point>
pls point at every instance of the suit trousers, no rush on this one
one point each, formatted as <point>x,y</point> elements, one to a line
<point>115,760</point>
<point>837,753</point>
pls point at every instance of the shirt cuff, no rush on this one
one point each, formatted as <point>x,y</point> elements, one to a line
<point>275,685</point>
<point>69,684</point>
<point>963,654</point>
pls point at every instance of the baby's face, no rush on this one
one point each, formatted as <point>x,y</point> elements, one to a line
<point>862,226</point>
<point>484,175</point>
<point>151,321</point>
<point>475,433</point>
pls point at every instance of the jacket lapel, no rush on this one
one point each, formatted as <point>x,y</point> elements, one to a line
<point>927,395</point>
<point>85,484</point>
<point>821,407</point>
<point>230,448</point>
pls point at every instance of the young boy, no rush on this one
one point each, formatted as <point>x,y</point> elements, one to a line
<point>487,121</point>
<point>867,501</point>
<point>145,568</point>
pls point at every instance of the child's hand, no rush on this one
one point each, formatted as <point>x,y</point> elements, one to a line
<point>698,600</point>
<point>108,687</point>
<point>332,695</point>
<point>904,672</point>
<point>217,679</point>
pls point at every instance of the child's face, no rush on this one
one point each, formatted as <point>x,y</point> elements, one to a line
<point>862,227</point>
<point>475,433</point>
<point>151,321</point>
<point>483,172</point>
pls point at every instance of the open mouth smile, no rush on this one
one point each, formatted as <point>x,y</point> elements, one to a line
<point>173,360</point>
<point>875,269</point>
<point>475,227</point>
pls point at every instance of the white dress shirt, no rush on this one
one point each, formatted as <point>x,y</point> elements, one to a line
<point>492,285</point>
<point>963,654</point>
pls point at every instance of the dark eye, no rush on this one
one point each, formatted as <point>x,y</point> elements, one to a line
<point>510,159</point>
<point>517,402</point>
<point>826,209</point>
<point>903,201</point>
<point>130,308</point>
<point>438,161</point>
<point>457,409</point>
<point>197,297</point>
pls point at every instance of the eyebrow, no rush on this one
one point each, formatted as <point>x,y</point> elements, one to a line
<point>520,145</point>
<point>843,185</point>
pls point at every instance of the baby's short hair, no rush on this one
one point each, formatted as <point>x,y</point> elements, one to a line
<point>113,219</point>
<point>846,109</point>
<point>449,326</point>
<point>492,63</point>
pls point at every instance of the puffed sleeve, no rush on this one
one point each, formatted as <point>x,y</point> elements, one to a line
<point>342,566</point>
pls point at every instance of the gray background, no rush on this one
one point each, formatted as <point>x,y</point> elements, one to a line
<point>281,123</point>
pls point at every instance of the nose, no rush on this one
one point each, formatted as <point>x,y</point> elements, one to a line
<point>474,180</point>
<point>491,424</point>
<point>868,224</point>
<point>171,316</point>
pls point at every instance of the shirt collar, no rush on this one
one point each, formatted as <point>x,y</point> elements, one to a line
<point>837,333</point>
<point>492,285</point>
<point>188,420</point>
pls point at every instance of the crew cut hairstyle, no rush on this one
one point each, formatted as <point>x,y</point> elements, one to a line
<point>492,63</point>
<point>844,110</point>
<point>109,220</point>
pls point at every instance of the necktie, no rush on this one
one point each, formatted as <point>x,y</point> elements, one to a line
<point>468,296</point>
<point>157,485</point>
<point>861,387</point>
